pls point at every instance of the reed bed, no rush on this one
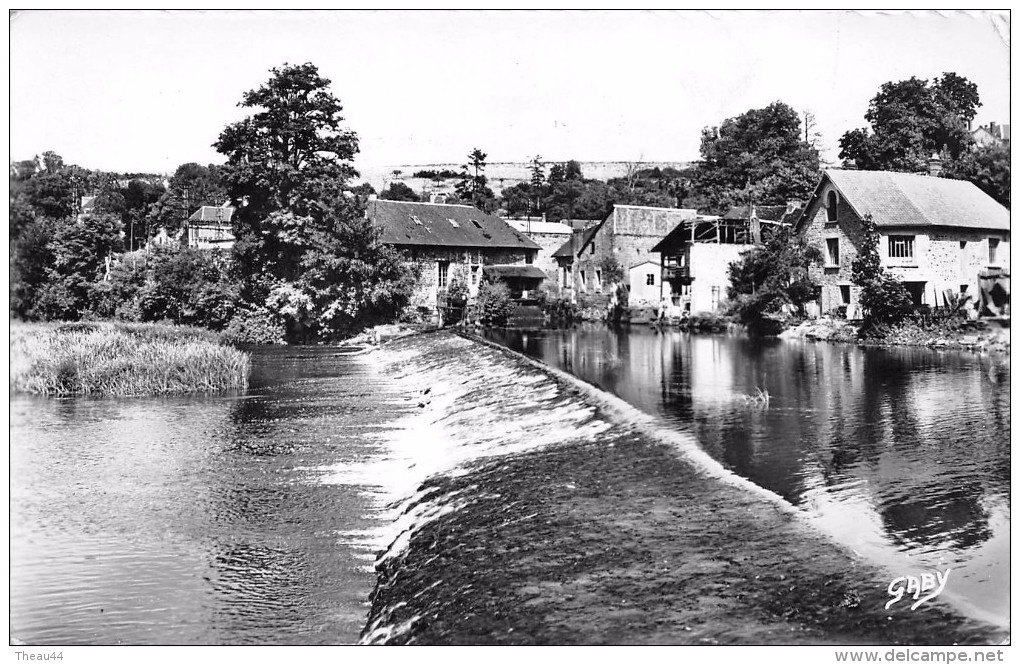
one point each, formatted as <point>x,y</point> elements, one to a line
<point>117,359</point>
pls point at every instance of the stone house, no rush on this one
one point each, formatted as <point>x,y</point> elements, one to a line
<point>549,236</point>
<point>618,243</point>
<point>456,243</point>
<point>936,234</point>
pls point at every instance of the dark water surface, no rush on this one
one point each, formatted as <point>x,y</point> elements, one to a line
<point>197,520</point>
<point>902,454</point>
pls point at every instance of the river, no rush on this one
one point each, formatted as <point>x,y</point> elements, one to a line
<point>901,454</point>
<point>199,520</point>
<point>242,519</point>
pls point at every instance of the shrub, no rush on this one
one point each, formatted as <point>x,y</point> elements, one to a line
<point>258,326</point>
<point>494,303</point>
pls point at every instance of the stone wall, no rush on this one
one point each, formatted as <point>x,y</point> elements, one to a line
<point>465,267</point>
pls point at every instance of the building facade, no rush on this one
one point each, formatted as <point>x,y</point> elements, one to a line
<point>937,235</point>
<point>594,260</point>
<point>549,236</point>
<point>455,244</point>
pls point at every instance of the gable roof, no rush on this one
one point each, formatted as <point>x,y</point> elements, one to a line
<point>439,224</point>
<point>212,214</point>
<point>577,242</point>
<point>907,199</point>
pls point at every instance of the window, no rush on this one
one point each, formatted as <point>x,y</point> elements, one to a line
<point>593,248</point>
<point>650,279</point>
<point>529,258</point>
<point>474,275</point>
<point>444,270</point>
<point>832,253</point>
<point>993,251</point>
<point>844,294</point>
<point>901,247</point>
<point>598,280</point>
<point>831,203</point>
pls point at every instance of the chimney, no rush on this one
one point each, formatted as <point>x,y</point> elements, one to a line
<point>993,129</point>
<point>934,166</point>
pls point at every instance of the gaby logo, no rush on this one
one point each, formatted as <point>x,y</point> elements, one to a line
<point>917,585</point>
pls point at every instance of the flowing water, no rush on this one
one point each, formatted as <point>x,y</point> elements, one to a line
<point>901,454</point>
<point>198,520</point>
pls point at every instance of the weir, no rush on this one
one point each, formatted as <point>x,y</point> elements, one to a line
<point>526,507</point>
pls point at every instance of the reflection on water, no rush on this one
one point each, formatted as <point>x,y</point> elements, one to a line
<point>902,453</point>
<point>196,520</point>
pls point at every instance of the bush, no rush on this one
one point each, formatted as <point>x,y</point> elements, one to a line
<point>495,304</point>
<point>255,327</point>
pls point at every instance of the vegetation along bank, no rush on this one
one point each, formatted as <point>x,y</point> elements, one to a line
<point>120,359</point>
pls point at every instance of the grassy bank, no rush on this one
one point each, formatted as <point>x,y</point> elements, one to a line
<point>118,359</point>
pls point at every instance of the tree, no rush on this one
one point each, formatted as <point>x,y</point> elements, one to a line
<point>912,119</point>
<point>398,191</point>
<point>757,157</point>
<point>884,299</point>
<point>768,277</point>
<point>349,277</point>
<point>473,185</point>
<point>309,257</point>
<point>281,161</point>
<point>78,254</point>
<point>988,167</point>
<point>537,184</point>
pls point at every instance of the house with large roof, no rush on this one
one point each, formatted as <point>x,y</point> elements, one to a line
<point>936,235</point>
<point>456,243</point>
<point>209,228</point>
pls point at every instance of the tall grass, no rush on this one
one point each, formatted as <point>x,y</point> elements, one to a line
<point>119,359</point>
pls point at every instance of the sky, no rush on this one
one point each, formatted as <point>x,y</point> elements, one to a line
<point>146,91</point>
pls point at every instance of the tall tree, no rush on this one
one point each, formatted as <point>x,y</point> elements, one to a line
<point>290,154</point>
<point>757,157</point>
<point>912,119</point>
<point>473,185</point>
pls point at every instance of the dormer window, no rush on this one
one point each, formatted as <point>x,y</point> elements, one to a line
<point>831,202</point>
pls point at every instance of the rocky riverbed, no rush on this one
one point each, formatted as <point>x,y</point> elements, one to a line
<point>530,508</point>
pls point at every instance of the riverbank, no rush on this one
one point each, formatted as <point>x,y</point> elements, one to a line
<point>991,336</point>
<point>539,510</point>
<point>121,359</point>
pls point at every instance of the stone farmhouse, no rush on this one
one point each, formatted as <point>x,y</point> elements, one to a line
<point>620,242</point>
<point>937,235</point>
<point>456,243</point>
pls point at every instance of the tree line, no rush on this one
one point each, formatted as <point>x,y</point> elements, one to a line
<point>306,263</point>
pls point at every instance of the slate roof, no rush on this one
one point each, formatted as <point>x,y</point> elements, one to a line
<point>212,214</point>
<point>439,224</point>
<point>577,242</point>
<point>528,271</point>
<point>906,199</point>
